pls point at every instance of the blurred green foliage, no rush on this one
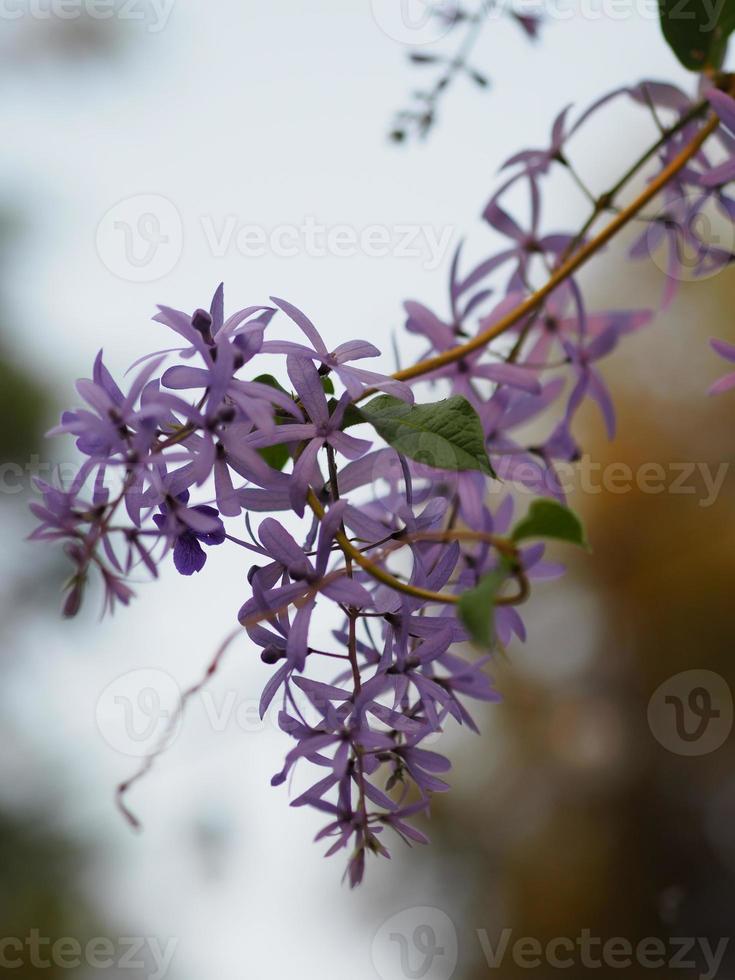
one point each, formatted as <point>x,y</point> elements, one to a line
<point>39,890</point>
<point>25,408</point>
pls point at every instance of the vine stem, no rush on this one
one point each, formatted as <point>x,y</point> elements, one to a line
<point>608,198</point>
<point>568,268</point>
<point>350,551</point>
<point>352,615</point>
<point>504,545</point>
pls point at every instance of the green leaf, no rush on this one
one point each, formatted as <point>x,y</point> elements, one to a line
<point>477,607</point>
<point>446,435</point>
<point>268,379</point>
<point>275,456</point>
<point>549,519</point>
<point>327,385</point>
<point>698,32</point>
<point>352,416</point>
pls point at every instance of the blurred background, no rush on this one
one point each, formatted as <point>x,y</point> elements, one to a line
<point>568,814</point>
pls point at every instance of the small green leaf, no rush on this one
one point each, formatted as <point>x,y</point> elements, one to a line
<point>268,379</point>
<point>477,607</point>
<point>697,32</point>
<point>446,435</point>
<point>352,416</point>
<point>327,385</point>
<point>275,456</point>
<point>549,519</point>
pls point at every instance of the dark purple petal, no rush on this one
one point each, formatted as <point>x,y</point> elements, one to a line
<point>189,556</point>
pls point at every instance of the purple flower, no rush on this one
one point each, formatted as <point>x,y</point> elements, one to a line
<point>115,591</point>
<point>202,329</point>
<point>354,379</point>
<point>526,243</point>
<point>301,577</point>
<point>537,162</point>
<point>116,426</point>
<point>558,324</point>
<point>187,529</point>
<point>472,368</point>
<point>590,383</point>
<point>227,402</point>
<point>322,429</point>
<point>65,516</point>
<point>661,95</point>
<point>506,411</point>
<point>62,513</point>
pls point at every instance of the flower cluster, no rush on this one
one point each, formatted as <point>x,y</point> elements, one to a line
<point>402,535</point>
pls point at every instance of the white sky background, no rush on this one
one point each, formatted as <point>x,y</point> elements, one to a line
<point>270,112</point>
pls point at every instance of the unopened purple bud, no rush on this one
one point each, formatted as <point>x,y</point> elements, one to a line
<point>271,655</point>
<point>73,601</point>
<point>202,321</point>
